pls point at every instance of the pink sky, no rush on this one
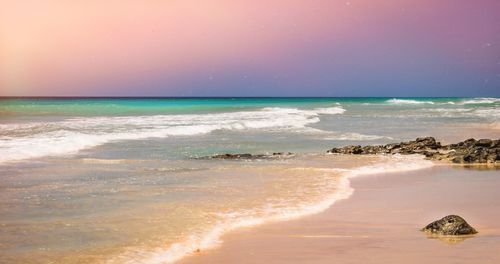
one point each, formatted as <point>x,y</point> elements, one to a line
<point>173,47</point>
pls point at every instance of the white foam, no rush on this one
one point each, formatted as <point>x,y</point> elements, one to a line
<point>273,213</point>
<point>483,112</point>
<point>356,137</point>
<point>488,113</point>
<point>329,111</point>
<point>407,101</point>
<point>21,141</point>
<point>333,135</point>
<point>481,100</point>
<point>395,163</point>
<point>448,112</point>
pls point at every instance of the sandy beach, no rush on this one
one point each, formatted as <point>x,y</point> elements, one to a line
<point>380,223</point>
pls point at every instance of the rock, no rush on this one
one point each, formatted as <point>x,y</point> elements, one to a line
<point>458,159</point>
<point>468,158</point>
<point>484,143</point>
<point>348,150</point>
<point>468,151</point>
<point>282,153</point>
<point>228,156</point>
<point>235,156</point>
<point>248,156</point>
<point>469,142</point>
<point>451,225</point>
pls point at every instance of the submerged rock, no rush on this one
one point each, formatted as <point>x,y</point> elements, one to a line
<point>248,156</point>
<point>451,225</point>
<point>234,156</point>
<point>468,151</point>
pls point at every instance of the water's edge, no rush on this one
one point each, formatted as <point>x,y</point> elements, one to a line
<point>213,239</point>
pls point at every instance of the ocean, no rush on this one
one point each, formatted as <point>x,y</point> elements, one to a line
<point>123,180</point>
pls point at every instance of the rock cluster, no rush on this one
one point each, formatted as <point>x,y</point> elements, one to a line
<point>451,225</point>
<point>468,151</point>
<point>247,156</point>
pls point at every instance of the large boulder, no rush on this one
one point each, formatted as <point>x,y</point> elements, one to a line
<point>451,225</point>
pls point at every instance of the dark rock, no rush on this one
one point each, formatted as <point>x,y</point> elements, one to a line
<point>348,150</point>
<point>484,143</point>
<point>282,153</point>
<point>234,156</point>
<point>469,158</point>
<point>451,225</point>
<point>248,156</point>
<point>469,142</point>
<point>357,150</point>
<point>468,151</point>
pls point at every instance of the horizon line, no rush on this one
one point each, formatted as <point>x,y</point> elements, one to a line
<point>224,97</point>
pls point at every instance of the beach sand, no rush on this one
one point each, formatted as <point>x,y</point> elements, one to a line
<point>380,223</point>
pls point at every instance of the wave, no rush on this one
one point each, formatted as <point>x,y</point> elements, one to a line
<point>481,100</point>
<point>478,100</point>
<point>482,112</point>
<point>333,135</point>
<point>33,140</point>
<point>356,137</point>
<point>105,161</point>
<point>407,101</point>
<point>448,112</point>
<point>334,191</point>
<point>316,111</point>
<point>488,113</point>
<point>330,110</point>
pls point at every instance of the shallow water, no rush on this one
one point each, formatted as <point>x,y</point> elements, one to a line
<point>117,180</point>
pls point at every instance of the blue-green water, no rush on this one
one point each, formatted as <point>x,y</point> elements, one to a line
<point>38,128</point>
<point>139,106</point>
<point>114,179</point>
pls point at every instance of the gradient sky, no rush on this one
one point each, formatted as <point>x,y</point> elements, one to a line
<point>250,48</point>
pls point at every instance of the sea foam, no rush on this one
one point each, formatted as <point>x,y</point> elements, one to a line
<point>334,191</point>
<point>407,101</point>
<point>21,141</point>
<point>481,100</point>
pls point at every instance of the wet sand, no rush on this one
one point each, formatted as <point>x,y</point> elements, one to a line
<point>380,223</point>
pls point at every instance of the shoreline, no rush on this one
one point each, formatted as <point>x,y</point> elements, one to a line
<point>208,242</point>
<point>214,238</point>
<point>330,233</point>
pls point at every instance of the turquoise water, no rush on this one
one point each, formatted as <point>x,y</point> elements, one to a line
<point>137,106</point>
<point>38,128</point>
<point>118,180</point>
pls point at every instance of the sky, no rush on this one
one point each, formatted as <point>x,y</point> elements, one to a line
<point>250,48</point>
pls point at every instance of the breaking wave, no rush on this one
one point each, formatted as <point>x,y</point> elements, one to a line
<point>481,100</point>
<point>482,112</point>
<point>407,101</point>
<point>38,139</point>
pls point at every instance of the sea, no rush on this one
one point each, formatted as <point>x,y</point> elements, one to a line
<point>127,180</point>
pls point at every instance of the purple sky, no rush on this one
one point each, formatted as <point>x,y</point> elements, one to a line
<point>250,48</point>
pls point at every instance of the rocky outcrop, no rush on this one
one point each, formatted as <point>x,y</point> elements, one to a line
<point>451,225</point>
<point>247,156</point>
<point>468,151</point>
